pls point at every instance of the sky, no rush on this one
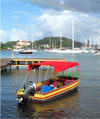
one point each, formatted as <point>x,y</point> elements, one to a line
<point>36,19</point>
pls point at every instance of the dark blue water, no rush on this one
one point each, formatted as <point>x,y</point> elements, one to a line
<point>81,103</point>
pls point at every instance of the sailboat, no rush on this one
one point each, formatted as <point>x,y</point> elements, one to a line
<point>32,50</point>
<point>73,50</point>
<point>23,51</point>
<point>27,51</point>
<point>97,52</point>
<point>53,45</point>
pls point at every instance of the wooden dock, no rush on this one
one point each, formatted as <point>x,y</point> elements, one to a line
<point>4,63</point>
<point>26,62</point>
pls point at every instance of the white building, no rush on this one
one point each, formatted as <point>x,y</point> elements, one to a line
<point>21,44</point>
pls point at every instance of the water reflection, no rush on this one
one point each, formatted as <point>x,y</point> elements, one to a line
<point>70,101</point>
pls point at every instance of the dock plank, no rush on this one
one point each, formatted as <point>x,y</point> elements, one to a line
<point>4,62</point>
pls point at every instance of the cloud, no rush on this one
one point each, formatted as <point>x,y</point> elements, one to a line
<point>85,6</point>
<point>17,34</point>
<point>17,14</point>
<point>13,35</point>
<point>54,23</point>
<point>3,35</point>
<point>62,2</point>
<point>51,23</point>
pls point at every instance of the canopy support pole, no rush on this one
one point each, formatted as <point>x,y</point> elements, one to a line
<point>72,73</point>
<point>37,75</point>
<point>78,72</point>
<point>50,72</point>
<point>67,76</point>
<point>55,81</point>
<point>43,75</point>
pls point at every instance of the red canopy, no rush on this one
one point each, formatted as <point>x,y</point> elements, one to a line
<point>58,65</point>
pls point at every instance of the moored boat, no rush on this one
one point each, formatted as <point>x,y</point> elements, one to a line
<point>54,87</point>
<point>25,51</point>
<point>97,53</point>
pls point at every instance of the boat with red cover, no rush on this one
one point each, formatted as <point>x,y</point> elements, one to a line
<point>65,79</point>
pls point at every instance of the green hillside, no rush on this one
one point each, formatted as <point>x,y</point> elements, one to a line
<point>54,42</point>
<point>7,45</point>
<point>10,43</point>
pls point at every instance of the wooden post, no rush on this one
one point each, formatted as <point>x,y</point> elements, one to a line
<point>16,62</point>
<point>12,55</point>
<point>10,67</point>
<point>5,69</point>
<point>25,62</point>
<point>17,67</point>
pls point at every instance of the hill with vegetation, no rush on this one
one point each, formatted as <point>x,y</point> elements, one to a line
<point>8,45</point>
<point>54,42</point>
<point>50,42</point>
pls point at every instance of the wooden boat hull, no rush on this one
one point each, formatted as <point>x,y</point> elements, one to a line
<point>45,97</point>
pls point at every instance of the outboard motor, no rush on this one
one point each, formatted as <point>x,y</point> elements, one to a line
<point>29,89</point>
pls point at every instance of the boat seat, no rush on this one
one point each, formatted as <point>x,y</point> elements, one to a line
<point>45,89</point>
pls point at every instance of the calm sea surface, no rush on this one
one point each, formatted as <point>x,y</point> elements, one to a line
<point>81,103</point>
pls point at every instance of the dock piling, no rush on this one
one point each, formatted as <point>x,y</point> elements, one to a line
<point>17,67</point>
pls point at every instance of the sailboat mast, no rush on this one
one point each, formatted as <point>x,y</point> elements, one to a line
<point>90,42</point>
<point>98,43</point>
<point>27,39</point>
<point>50,43</point>
<point>60,40</point>
<point>55,43</point>
<point>73,34</point>
<point>32,45</point>
<point>85,43</point>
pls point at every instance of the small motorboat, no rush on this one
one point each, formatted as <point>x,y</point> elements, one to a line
<point>57,85</point>
<point>23,51</point>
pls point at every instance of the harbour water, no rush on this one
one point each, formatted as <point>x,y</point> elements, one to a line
<point>81,103</point>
